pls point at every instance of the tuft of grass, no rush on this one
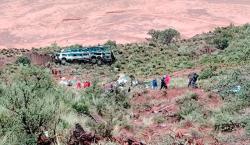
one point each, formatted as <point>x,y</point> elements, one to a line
<point>186,98</point>
<point>159,119</point>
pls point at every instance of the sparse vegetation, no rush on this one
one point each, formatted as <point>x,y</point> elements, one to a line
<point>30,98</point>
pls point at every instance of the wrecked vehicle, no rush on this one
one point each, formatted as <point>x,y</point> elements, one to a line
<point>95,55</point>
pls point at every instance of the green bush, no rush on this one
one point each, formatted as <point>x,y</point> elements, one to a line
<point>165,36</point>
<point>186,98</point>
<point>75,46</point>
<point>31,100</point>
<point>24,60</point>
<point>81,108</point>
<point>165,140</point>
<point>111,107</point>
<point>190,109</point>
<point>228,86</point>
<point>235,100</point>
<point>159,119</point>
<point>221,42</point>
<point>248,126</point>
<point>223,36</point>
<point>227,121</point>
<point>111,44</point>
<point>207,73</point>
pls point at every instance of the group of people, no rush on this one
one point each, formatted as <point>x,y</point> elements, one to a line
<point>165,81</point>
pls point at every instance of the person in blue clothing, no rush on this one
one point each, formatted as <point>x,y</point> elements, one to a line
<point>154,84</point>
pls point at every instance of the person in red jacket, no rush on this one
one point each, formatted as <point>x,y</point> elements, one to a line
<point>86,84</point>
<point>78,85</point>
<point>167,80</point>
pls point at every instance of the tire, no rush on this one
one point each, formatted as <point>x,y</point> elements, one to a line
<point>63,61</point>
<point>75,61</point>
<point>99,62</point>
<point>93,60</point>
<point>109,63</point>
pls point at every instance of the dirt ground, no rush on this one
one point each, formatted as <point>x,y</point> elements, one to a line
<point>159,103</point>
<point>150,105</point>
<point>35,23</point>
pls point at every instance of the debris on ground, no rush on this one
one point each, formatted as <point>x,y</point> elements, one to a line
<point>45,140</point>
<point>128,141</point>
<point>81,137</point>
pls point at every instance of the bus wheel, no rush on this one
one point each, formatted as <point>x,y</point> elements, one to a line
<point>99,62</point>
<point>63,61</point>
<point>93,60</point>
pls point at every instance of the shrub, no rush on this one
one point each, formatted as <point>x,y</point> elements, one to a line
<point>111,107</point>
<point>221,42</point>
<point>227,122</point>
<point>207,73</point>
<point>165,36</point>
<point>104,129</point>
<point>235,99</point>
<point>223,36</point>
<point>32,101</point>
<point>24,60</point>
<point>248,126</point>
<point>186,98</point>
<point>111,44</point>
<point>81,108</point>
<point>165,140</point>
<point>189,107</point>
<point>159,119</point>
<point>228,87</point>
<point>74,46</point>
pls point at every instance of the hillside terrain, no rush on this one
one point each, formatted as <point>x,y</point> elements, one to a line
<point>34,102</point>
<point>37,23</point>
<point>45,102</point>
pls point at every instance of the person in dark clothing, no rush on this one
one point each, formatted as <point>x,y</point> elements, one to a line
<point>193,77</point>
<point>163,83</point>
<point>129,89</point>
<point>154,84</point>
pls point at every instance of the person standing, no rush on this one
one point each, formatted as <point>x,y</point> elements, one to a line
<point>78,85</point>
<point>154,83</point>
<point>163,83</point>
<point>167,80</point>
<point>193,77</point>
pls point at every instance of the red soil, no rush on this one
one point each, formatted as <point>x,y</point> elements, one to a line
<point>168,107</point>
<point>30,23</point>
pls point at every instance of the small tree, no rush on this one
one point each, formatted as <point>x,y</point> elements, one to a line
<point>223,36</point>
<point>24,60</point>
<point>165,36</point>
<point>32,101</point>
<point>221,42</point>
<point>75,46</point>
<point>111,43</point>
